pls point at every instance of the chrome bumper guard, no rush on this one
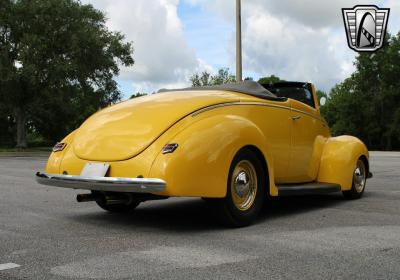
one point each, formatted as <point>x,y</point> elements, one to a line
<point>106,184</point>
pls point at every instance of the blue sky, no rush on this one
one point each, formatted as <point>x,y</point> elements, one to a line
<point>294,39</point>
<point>206,33</point>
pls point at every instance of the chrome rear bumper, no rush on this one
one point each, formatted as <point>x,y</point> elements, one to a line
<point>107,184</point>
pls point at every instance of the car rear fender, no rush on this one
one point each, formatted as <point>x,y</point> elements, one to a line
<point>200,164</point>
<point>55,158</point>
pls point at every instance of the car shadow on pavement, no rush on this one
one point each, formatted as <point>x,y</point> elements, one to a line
<point>279,207</point>
<point>169,215</point>
<point>196,215</point>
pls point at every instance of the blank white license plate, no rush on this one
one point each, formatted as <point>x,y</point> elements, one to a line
<point>95,169</point>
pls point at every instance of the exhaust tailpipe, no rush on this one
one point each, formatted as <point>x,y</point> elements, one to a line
<point>86,197</point>
<point>105,199</point>
<point>117,199</point>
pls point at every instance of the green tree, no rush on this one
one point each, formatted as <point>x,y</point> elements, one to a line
<point>138,94</point>
<point>57,63</point>
<point>321,94</point>
<point>7,126</point>
<point>270,79</point>
<point>367,104</point>
<point>339,109</point>
<point>206,79</point>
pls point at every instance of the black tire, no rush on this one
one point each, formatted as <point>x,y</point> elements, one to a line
<point>359,181</point>
<point>119,208</point>
<point>228,211</point>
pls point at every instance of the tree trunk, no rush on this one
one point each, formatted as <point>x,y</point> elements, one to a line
<point>20,117</point>
<point>389,140</point>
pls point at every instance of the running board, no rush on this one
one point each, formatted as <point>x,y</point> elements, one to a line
<point>307,189</point>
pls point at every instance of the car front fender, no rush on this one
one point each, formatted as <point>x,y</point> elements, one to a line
<point>339,158</point>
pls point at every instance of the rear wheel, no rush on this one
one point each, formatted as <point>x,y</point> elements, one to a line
<point>245,190</point>
<point>128,206</point>
<point>359,180</point>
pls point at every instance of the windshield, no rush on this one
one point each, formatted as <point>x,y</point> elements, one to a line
<point>298,91</point>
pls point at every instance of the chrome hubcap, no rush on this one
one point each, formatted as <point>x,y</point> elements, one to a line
<point>359,176</point>
<point>244,185</point>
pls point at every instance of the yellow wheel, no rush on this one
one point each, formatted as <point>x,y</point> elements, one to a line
<point>245,189</point>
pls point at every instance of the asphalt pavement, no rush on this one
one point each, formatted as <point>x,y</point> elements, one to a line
<point>46,234</point>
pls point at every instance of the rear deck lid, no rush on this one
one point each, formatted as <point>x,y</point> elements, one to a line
<point>124,130</point>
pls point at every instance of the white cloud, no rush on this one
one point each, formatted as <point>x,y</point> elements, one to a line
<point>162,56</point>
<point>289,50</point>
<point>150,86</point>
<point>313,13</point>
<point>296,40</point>
<point>394,17</point>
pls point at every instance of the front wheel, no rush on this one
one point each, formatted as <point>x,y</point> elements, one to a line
<point>245,190</point>
<point>359,181</point>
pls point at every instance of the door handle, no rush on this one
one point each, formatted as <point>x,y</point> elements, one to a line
<point>295,118</point>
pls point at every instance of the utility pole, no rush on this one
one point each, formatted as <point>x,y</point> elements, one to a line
<point>238,42</point>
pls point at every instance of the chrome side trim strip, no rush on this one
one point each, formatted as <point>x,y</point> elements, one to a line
<point>265,104</point>
<point>198,112</point>
<point>108,184</point>
<point>306,113</point>
<point>254,104</point>
<point>237,103</point>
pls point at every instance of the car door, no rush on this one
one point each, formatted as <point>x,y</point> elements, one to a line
<point>305,129</point>
<point>275,122</point>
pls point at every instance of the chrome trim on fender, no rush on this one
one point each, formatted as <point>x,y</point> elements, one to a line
<point>237,103</point>
<point>107,184</point>
<point>255,104</point>
<point>198,112</point>
<point>306,113</point>
<point>265,104</point>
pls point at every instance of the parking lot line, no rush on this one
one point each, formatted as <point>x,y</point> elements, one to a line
<point>5,266</point>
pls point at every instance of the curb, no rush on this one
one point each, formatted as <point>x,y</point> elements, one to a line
<point>24,154</point>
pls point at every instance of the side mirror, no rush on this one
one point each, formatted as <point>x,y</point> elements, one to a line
<point>322,101</point>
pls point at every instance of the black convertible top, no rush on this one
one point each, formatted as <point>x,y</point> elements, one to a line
<point>247,87</point>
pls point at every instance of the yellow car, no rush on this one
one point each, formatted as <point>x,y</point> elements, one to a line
<point>233,145</point>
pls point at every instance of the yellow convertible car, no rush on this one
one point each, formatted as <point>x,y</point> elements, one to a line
<point>233,145</point>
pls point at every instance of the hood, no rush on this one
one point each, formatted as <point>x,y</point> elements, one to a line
<point>124,130</point>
